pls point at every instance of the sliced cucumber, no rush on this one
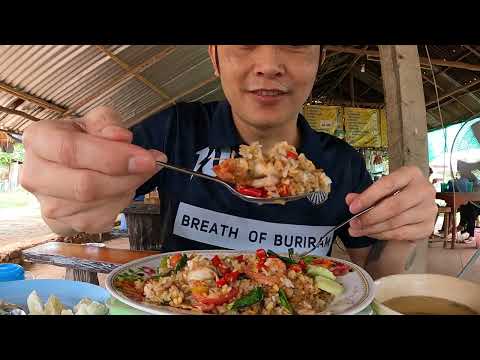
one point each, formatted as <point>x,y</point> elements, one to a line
<point>328,285</point>
<point>316,270</point>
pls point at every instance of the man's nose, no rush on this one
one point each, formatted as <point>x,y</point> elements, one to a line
<point>268,62</point>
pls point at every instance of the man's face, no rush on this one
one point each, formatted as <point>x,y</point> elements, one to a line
<point>266,85</point>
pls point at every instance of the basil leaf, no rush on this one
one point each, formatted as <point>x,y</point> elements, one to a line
<point>253,297</point>
<point>284,301</point>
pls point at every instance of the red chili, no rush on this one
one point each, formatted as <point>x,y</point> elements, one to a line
<point>251,191</point>
<point>302,265</point>
<point>216,261</point>
<point>261,254</point>
<point>222,281</point>
<point>240,258</point>
<point>261,264</point>
<point>292,155</point>
<point>228,278</point>
<point>232,276</point>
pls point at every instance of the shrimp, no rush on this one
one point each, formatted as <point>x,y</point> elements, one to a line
<point>276,271</point>
<point>232,170</point>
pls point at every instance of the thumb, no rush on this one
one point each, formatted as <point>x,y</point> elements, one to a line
<point>105,122</point>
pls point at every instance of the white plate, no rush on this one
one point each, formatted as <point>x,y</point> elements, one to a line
<point>358,284</point>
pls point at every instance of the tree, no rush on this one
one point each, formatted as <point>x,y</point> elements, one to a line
<point>17,155</point>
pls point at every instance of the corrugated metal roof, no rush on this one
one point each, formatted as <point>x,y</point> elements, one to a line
<point>77,78</point>
<point>81,77</point>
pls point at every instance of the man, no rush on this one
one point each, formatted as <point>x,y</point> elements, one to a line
<point>87,174</point>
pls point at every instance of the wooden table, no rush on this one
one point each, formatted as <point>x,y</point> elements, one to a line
<point>454,201</point>
<point>82,261</point>
<point>143,221</point>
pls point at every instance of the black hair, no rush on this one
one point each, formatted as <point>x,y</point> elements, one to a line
<point>216,59</point>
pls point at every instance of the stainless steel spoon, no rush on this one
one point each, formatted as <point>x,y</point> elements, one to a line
<point>342,224</point>
<point>322,197</point>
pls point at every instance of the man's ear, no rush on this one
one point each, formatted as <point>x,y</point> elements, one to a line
<point>212,51</point>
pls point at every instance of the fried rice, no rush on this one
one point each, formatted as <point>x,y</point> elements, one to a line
<point>256,284</point>
<point>279,172</point>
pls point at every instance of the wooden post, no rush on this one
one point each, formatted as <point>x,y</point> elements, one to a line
<point>407,118</point>
<point>144,226</point>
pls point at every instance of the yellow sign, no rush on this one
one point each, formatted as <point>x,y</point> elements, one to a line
<point>324,118</point>
<point>362,127</point>
<point>383,128</point>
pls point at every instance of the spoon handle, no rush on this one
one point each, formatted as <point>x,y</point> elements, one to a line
<point>343,224</point>
<point>189,172</point>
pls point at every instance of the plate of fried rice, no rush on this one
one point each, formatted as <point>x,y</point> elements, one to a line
<point>279,172</point>
<point>228,282</point>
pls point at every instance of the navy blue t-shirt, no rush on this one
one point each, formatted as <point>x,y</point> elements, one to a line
<point>201,214</point>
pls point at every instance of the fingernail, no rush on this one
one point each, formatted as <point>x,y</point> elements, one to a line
<point>158,156</point>
<point>355,206</point>
<point>110,131</point>
<point>356,224</point>
<point>354,233</point>
<point>139,163</point>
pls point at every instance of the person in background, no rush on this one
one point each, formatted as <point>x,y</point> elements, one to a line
<point>469,212</point>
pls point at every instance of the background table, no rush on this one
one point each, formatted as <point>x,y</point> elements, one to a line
<point>143,222</point>
<point>454,200</point>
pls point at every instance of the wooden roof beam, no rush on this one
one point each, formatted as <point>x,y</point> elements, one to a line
<point>453,92</point>
<point>344,73</point>
<point>163,105</point>
<point>427,79</point>
<point>31,98</point>
<point>19,113</point>
<point>122,78</point>
<point>423,61</point>
<point>128,69</point>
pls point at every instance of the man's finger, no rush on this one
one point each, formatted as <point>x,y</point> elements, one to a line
<point>83,151</point>
<point>81,185</point>
<point>56,208</point>
<point>385,186</point>
<point>389,208</point>
<point>406,233</point>
<point>412,216</point>
<point>96,220</point>
<point>105,122</point>
<point>350,197</point>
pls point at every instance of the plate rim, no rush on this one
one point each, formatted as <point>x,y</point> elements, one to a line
<point>164,310</point>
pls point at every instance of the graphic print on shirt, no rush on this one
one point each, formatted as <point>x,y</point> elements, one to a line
<point>209,157</point>
<point>237,233</point>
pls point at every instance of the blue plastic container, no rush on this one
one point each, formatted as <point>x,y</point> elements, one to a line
<point>11,272</point>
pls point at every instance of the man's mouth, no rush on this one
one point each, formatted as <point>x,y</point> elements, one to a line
<point>269,92</point>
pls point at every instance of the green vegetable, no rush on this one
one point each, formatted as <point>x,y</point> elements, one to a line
<point>253,297</point>
<point>164,262</point>
<point>328,285</point>
<point>308,259</point>
<point>164,274</point>
<point>315,270</point>
<point>284,301</point>
<point>181,263</point>
<point>286,260</point>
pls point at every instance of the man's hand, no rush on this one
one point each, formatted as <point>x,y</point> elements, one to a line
<point>409,215</point>
<point>83,176</point>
